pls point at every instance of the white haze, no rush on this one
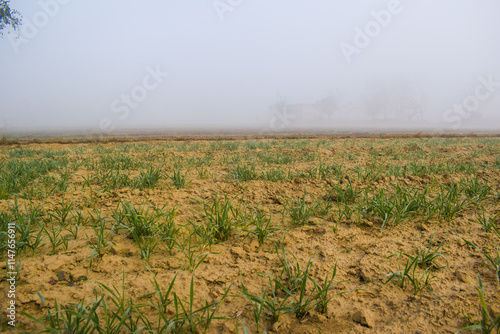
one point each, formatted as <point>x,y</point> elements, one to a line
<point>227,68</point>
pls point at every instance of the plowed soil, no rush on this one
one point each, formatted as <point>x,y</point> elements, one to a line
<point>364,248</point>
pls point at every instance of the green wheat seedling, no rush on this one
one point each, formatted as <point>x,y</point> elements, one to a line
<point>179,179</point>
<point>408,202</point>
<point>493,260</point>
<point>216,146</point>
<point>269,301</point>
<point>35,240</point>
<point>209,310</point>
<point>242,173</point>
<point>448,202</point>
<point>261,226</point>
<point>62,215</point>
<point>193,253</point>
<point>291,273</point>
<point>395,170</point>
<point>62,184</point>
<point>192,147</point>
<point>497,231</point>
<point>113,179</point>
<point>223,145</point>
<point>142,226</point>
<point>277,158</point>
<point>324,171</point>
<point>91,164</point>
<point>147,245</point>
<point>309,173</point>
<point>34,191</point>
<point>382,205</point>
<point>496,197</point>
<point>430,210</point>
<point>13,178</point>
<point>149,178</point>
<point>162,297</point>
<point>487,223</point>
<point>179,162</point>
<point>200,162</point>
<point>466,167</point>
<point>252,145</point>
<point>159,300</point>
<point>28,226</point>
<point>242,214</point>
<point>418,168</point>
<point>125,319</point>
<point>348,194</point>
<point>142,220</point>
<point>345,195</point>
<point>302,302</point>
<point>54,234</point>
<point>323,208</point>
<point>87,183</point>
<point>48,153</point>
<point>123,315</point>
<point>220,217</point>
<point>489,323</point>
<point>274,175</point>
<point>73,230</point>
<point>344,212</point>
<point>203,173</point>
<point>427,257</point>
<point>410,274</point>
<point>99,150</point>
<point>187,317</point>
<point>422,168</point>
<point>323,291</point>
<point>203,232</point>
<point>235,159</point>
<point>142,147</point>
<point>102,240</point>
<point>168,230</point>
<point>15,174</point>
<point>73,318</point>
<point>257,306</point>
<point>299,210</point>
<point>374,153</point>
<point>370,173</point>
<point>350,156</point>
<point>475,190</point>
<point>79,221</point>
<point>309,156</point>
<point>23,153</point>
<point>232,145</point>
<point>225,159</point>
<point>119,162</point>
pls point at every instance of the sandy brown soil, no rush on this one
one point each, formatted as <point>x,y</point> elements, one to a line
<point>359,245</point>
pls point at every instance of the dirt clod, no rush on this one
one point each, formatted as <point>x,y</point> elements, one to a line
<point>462,276</point>
<point>364,317</point>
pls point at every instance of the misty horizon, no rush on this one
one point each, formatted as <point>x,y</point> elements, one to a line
<point>272,67</point>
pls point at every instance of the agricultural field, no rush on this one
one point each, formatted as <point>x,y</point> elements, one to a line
<point>284,235</point>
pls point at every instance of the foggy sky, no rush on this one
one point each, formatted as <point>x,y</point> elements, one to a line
<point>118,64</point>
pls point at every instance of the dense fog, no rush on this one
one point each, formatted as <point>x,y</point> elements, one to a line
<point>108,66</point>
